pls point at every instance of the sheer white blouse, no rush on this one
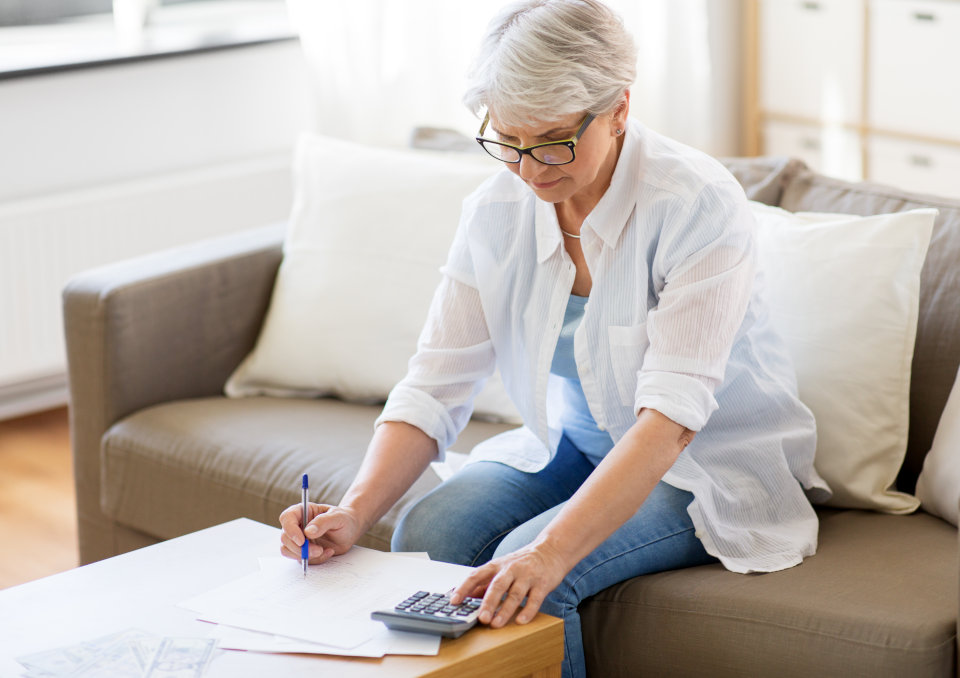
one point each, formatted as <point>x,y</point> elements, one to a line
<point>676,322</point>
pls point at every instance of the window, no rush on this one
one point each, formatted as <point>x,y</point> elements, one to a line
<point>27,12</point>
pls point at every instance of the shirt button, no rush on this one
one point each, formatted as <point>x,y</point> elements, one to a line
<point>601,428</point>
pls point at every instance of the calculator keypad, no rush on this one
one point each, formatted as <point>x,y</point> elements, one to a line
<point>428,604</point>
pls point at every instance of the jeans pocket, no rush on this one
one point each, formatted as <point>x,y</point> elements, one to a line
<point>628,344</point>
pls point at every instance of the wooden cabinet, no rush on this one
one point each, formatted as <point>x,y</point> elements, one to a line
<point>859,89</point>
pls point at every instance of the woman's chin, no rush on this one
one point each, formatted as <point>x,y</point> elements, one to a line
<point>553,191</point>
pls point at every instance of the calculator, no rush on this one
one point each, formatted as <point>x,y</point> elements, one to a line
<point>426,612</point>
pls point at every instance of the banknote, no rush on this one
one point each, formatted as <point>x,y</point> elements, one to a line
<point>116,661</point>
<point>69,660</point>
<point>181,658</point>
<point>145,649</point>
<point>127,654</point>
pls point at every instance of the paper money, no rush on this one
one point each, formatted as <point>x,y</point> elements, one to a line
<point>67,661</point>
<point>181,658</point>
<point>127,654</point>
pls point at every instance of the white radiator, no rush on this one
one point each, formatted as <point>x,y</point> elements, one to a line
<point>45,241</point>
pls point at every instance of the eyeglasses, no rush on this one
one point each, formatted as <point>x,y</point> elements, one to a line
<point>550,153</point>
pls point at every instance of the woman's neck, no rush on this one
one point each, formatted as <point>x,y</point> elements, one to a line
<point>572,211</point>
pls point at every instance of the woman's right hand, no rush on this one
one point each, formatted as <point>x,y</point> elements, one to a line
<point>332,530</point>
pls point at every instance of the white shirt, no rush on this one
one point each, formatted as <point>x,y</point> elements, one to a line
<point>676,322</point>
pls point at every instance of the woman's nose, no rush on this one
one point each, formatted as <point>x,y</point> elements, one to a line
<point>529,168</point>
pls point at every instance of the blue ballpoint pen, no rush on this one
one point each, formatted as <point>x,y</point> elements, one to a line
<point>305,549</point>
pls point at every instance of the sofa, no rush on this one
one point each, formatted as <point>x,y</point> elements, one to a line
<point>159,451</point>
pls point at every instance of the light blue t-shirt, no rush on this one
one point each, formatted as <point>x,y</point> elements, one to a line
<point>578,424</point>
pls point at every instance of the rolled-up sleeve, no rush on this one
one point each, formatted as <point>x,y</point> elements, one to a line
<point>706,265</point>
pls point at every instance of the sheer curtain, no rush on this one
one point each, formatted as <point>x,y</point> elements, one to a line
<point>381,68</point>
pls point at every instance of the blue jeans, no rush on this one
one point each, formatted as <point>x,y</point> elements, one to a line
<point>489,509</point>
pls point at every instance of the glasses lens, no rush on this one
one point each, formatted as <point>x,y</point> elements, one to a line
<point>553,154</point>
<point>499,152</point>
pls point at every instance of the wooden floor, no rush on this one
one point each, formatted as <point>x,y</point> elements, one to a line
<point>38,519</point>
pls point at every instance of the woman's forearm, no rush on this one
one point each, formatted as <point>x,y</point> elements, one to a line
<point>397,455</point>
<point>617,488</point>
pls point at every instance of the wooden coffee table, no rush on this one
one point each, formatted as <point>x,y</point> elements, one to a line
<point>141,590</point>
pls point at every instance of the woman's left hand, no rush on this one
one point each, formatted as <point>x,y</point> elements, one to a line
<point>531,573</point>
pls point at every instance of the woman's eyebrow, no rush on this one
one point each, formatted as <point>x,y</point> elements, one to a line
<point>548,133</point>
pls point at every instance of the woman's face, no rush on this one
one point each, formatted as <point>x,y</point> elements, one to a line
<point>587,177</point>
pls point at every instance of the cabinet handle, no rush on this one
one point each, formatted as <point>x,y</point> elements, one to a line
<point>921,161</point>
<point>812,6</point>
<point>923,16</point>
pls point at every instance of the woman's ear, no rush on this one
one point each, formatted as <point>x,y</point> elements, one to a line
<point>622,110</point>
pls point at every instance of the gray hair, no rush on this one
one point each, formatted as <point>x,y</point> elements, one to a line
<point>544,59</point>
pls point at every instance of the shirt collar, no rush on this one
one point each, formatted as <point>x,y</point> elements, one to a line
<point>609,217</point>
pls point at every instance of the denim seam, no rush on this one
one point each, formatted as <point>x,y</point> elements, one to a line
<point>574,584</point>
<point>503,534</point>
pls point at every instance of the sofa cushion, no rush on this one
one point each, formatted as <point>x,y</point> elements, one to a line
<point>937,349</point>
<point>938,487</point>
<point>763,179</point>
<point>182,466</point>
<point>843,294</point>
<point>878,599</point>
<point>369,231</point>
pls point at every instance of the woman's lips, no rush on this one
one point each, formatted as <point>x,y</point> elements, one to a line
<point>549,184</point>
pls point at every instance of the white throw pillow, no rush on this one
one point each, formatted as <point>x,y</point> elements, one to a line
<point>369,230</point>
<point>938,487</point>
<point>844,293</point>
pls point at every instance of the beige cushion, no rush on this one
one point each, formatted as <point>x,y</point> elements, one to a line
<point>183,466</point>
<point>936,356</point>
<point>938,487</point>
<point>844,295</point>
<point>763,179</point>
<point>879,599</point>
<point>369,230</point>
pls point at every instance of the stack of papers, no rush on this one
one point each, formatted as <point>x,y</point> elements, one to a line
<point>327,612</point>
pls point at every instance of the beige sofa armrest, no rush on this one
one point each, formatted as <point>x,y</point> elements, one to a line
<point>154,329</point>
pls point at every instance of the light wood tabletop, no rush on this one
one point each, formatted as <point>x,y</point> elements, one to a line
<point>141,590</point>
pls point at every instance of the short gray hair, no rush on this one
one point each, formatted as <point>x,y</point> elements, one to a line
<point>544,59</point>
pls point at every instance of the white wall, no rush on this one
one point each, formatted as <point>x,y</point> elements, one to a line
<point>105,163</point>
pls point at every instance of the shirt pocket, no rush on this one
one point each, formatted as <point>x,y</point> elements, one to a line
<point>628,344</point>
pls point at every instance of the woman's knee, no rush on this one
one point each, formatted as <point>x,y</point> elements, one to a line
<point>419,528</point>
<point>441,525</point>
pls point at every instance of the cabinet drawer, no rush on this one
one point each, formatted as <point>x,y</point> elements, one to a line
<point>834,151</point>
<point>811,58</point>
<point>914,166</point>
<point>914,54</point>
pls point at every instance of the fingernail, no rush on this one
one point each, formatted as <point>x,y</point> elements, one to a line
<point>311,529</point>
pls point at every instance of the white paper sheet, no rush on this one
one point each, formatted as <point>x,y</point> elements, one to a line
<point>332,604</point>
<point>386,641</point>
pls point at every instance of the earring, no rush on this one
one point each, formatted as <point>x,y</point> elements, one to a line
<point>619,132</point>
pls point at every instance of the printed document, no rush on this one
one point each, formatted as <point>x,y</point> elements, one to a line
<point>332,604</point>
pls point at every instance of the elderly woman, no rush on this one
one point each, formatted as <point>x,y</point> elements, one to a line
<point>610,273</point>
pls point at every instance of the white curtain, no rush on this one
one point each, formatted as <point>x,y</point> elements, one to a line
<point>381,68</point>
